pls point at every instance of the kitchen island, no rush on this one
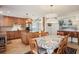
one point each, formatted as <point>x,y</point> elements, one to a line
<point>13,34</point>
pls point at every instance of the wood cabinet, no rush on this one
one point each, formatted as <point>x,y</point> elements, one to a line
<point>7,21</point>
<point>17,34</point>
<point>21,21</point>
<point>25,37</point>
<point>10,35</point>
<point>13,35</point>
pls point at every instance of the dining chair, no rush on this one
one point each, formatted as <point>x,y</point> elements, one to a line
<point>62,46</point>
<point>44,33</point>
<point>35,34</point>
<point>35,49</point>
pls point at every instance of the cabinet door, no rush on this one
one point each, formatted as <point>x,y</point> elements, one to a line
<point>23,21</point>
<point>17,34</point>
<point>7,21</point>
<point>11,34</point>
<point>11,21</point>
<point>4,21</point>
<point>20,21</point>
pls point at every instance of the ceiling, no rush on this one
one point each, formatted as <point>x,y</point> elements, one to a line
<point>37,10</point>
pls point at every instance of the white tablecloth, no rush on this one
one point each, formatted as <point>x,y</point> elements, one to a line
<point>49,42</point>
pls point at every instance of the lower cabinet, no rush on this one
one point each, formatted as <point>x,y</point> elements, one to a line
<point>17,34</point>
<point>13,35</point>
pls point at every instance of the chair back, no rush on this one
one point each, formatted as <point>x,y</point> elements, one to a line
<point>44,33</point>
<point>33,46</point>
<point>63,45</point>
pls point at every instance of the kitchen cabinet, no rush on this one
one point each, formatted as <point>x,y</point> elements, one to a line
<point>25,37</point>
<point>13,35</point>
<point>10,35</point>
<point>21,21</point>
<point>7,21</point>
<point>17,34</point>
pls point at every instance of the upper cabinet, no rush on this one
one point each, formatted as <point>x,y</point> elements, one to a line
<point>21,21</point>
<point>9,21</point>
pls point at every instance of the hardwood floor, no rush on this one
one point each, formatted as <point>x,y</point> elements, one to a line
<point>17,47</point>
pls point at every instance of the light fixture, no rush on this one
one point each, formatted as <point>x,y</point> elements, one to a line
<point>51,8</point>
<point>51,5</point>
<point>51,15</point>
<point>27,14</point>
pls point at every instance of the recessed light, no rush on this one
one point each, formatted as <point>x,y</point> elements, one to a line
<point>1,12</point>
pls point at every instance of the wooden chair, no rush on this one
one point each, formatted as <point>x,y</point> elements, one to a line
<point>62,46</point>
<point>35,34</point>
<point>44,33</point>
<point>33,46</point>
<point>35,49</point>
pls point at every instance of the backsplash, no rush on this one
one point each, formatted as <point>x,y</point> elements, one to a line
<point>12,28</point>
<point>16,27</point>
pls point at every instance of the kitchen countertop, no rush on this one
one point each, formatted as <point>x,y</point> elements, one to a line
<point>69,30</point>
